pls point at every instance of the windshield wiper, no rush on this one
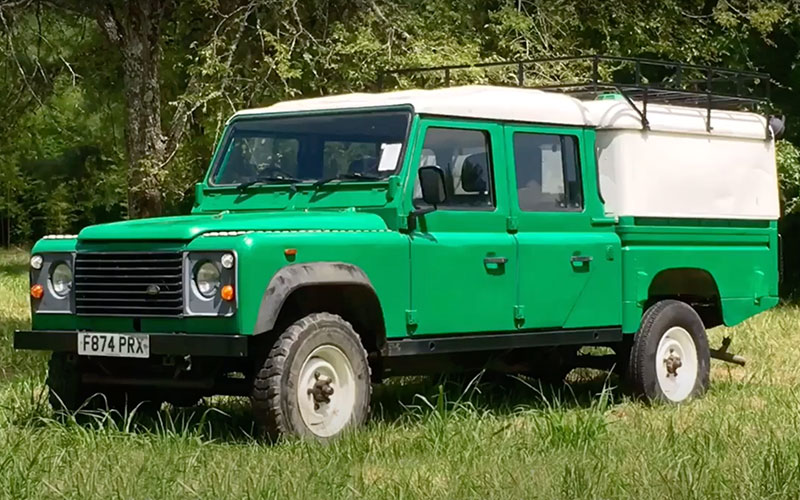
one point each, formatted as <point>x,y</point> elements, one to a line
<point>347,177</point>
<point>270,180</point>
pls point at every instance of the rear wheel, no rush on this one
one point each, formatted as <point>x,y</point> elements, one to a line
<point>670,359</point>
<point>315,381</point>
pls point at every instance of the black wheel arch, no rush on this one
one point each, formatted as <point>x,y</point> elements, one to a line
<point>339,288</point>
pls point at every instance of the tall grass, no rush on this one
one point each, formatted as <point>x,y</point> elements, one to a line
<point>428,438</point>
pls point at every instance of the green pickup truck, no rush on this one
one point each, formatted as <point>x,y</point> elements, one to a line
<point>337,241</point>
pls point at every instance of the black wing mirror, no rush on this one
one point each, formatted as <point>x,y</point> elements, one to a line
<point>431,180</point>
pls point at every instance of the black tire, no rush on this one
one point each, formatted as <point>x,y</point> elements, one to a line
<point>67,393</point>
<point>274,396</point>
<point>65,390</point>
<point>642,366</point>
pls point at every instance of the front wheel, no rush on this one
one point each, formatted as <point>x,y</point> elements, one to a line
<point>315,382</point>
<point>670,359</point>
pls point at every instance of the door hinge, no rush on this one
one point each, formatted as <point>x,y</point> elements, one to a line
<point>512,224</point>
<point>402,223</point>
<point>519,312</point>
<point>411,317</point>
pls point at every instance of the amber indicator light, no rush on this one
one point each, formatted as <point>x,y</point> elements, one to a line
<point>37,291</point>
<point>290,252</point>
<point>226,293</point>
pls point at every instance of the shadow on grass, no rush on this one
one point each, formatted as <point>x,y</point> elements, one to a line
<point>399,402</point>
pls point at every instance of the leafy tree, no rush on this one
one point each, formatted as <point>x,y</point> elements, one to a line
<point>114,107</point>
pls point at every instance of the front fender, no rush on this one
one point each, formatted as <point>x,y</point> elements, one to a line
<point>294,276</point>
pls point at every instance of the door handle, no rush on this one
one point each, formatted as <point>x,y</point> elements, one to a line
<point>580,261</point>
<point>495,260</point>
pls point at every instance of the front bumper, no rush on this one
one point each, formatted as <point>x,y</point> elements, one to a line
<point>229,346</point>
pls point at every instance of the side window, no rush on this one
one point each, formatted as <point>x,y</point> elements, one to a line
<point>548,172</point>
<point>464,156</point>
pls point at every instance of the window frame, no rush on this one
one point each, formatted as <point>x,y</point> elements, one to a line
<point>491,177</point>
<point>578,168</point>
<point>222,151</point>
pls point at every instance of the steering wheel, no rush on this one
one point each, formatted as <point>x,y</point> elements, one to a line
<point>268,169</point>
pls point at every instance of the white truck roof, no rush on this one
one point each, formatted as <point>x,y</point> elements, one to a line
<point>676,168</point>
<point>471,101</point>
<point>532,106</point>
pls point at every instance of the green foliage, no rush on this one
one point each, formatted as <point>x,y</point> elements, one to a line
<point>63,162</point>
<point>788,159</point>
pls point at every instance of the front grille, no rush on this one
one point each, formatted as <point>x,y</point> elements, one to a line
<point>129,284</point>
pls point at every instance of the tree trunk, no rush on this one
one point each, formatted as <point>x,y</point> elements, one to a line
<point>141,52</point>
<point>135,29</point>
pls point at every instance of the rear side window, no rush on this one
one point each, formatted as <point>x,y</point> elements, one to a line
<point>464,156</point>
<point>547,172</point>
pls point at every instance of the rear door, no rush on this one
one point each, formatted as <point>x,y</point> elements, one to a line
<point>569,255</point>
<point>463,260</point>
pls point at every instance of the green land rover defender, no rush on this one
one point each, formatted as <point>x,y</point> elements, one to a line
<point>337,241</point>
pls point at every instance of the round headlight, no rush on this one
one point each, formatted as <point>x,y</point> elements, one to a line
<point>206,277</point>
<point>36,262</point>
<point>61,279</point>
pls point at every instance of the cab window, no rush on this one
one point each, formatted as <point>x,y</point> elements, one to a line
<point>464,156</point>
<point>547,172</point>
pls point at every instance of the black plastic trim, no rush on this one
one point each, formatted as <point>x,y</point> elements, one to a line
<point>232,346</point>
<point>295,276</point>
<point>499,341</point>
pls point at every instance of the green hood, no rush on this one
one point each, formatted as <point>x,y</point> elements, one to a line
<point>190,226</point>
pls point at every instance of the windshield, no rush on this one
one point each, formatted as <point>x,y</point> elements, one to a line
<point>312,148</point>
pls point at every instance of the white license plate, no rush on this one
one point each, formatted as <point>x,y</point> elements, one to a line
<point>124,345</point>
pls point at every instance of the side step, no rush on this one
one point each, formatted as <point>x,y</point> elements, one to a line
<point>499,341</point>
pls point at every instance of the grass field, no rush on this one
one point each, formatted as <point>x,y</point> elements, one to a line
<point>427,438</point>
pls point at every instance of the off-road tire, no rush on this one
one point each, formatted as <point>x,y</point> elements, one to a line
<point>68,394</point>
<point>274,394</point>
<point>65,390</point>
<point>641,376</point>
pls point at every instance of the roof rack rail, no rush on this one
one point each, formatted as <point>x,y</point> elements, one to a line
<point>639,81</point>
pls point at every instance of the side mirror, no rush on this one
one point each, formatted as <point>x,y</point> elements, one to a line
<point>431,181</point>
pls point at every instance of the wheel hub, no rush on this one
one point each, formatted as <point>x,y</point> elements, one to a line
<point>321,390</point>
<point>676,353</point>
<point>326,390</point>
<point>672,363</point>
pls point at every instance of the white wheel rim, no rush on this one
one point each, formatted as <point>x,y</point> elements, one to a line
<point>676,364</point>
<point>326,391</point>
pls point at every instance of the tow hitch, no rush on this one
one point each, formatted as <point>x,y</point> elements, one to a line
<point>723,355</point>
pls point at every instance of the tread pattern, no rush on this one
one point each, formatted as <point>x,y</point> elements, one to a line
<point>638,359</point>
<point>268,388</point>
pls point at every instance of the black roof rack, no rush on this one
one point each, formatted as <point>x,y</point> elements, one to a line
<point>639,81</point>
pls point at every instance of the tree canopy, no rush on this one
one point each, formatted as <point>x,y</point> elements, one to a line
<point>112,109</point>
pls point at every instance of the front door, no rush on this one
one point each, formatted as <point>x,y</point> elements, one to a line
<point>569,255</point>
<point>463,259</point>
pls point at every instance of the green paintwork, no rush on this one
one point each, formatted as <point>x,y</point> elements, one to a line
<point>434,280</point>
<point>741,256</point>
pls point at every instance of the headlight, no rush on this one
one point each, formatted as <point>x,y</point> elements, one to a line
<point>61,279</point>
<point>206,277</point>
<point>36,262</point>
